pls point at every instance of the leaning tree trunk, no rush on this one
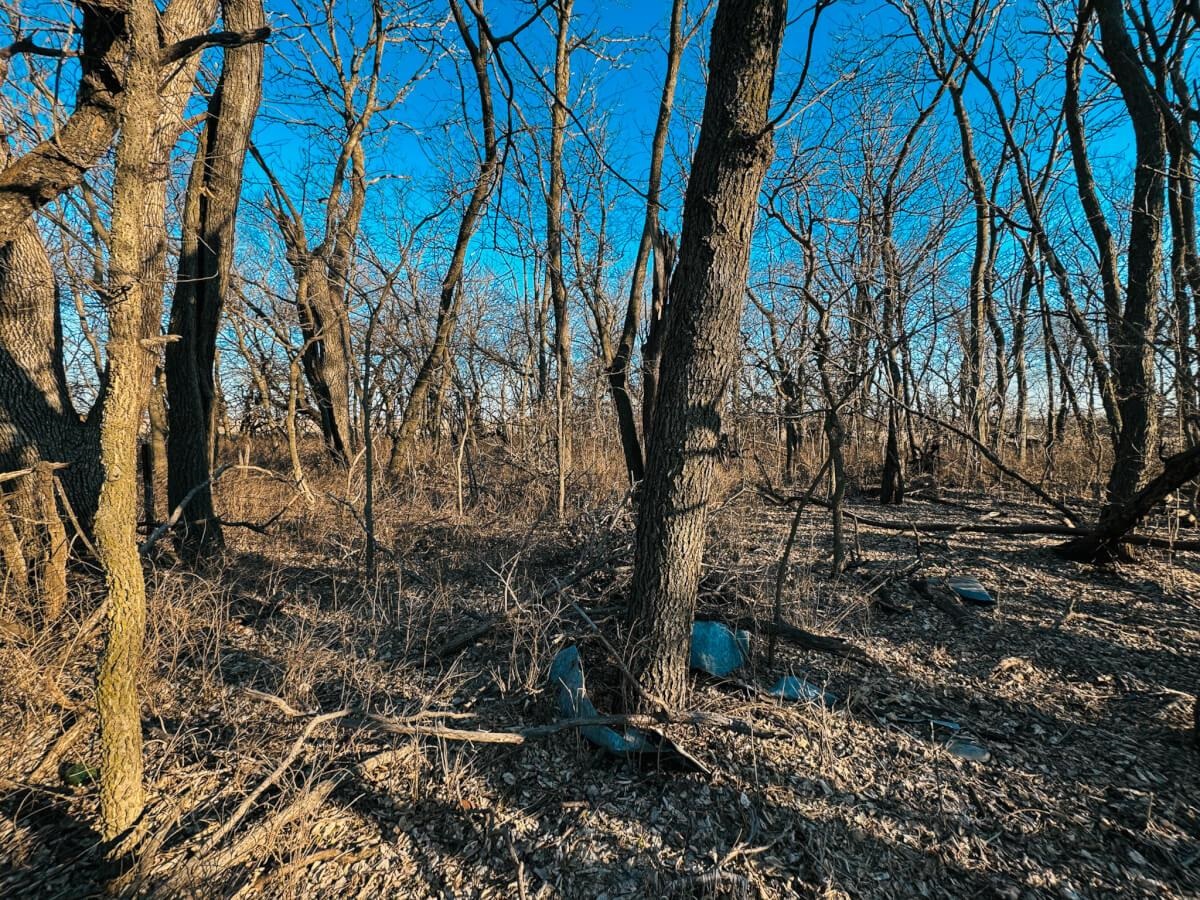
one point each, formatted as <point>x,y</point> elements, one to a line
<point>708,288</point>
<point>1105,542</point>
<point>451,295</point>
<point>205,267</point>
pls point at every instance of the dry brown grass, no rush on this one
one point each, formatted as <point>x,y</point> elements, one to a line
<point>1077,683</point>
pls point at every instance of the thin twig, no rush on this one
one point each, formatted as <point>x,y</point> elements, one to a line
<point>248,803</point>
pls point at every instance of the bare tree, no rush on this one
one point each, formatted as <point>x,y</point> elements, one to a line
<point>478,49</point>
<point>708,290</point>
<point>203,280</point>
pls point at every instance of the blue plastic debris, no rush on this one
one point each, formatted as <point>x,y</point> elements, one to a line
<point>566,675</point>
<point>965,748</point>
<point>969,590</point>
<point>648,748</point>
<point>792,687</point>
<point>717,650</point>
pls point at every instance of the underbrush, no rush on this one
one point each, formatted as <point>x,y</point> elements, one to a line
<point>456,629</point>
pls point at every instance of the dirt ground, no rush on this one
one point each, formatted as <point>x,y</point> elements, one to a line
<point>1079,684</point>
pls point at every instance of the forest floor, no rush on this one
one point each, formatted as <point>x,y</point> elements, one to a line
<point>1079,683</point>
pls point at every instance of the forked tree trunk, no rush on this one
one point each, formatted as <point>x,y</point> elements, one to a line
<point>618,368</point>
<point>205,268</point>
<point>1105,543</point>
<point>708,289</point>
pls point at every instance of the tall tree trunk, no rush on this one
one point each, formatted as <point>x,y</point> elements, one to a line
<point>708,289</point>
<point>451,295</point>
<point>618,369</point>
<point>554,248</point>
<point>1133,352</point>
<point>130,293</point>
<point>979,300</point>
<point>205,272</point>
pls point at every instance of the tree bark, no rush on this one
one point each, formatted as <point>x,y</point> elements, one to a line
<point>708,289</point>
<point>205,271</point>
<point>554,249</point>
<point>1133,352</point>
<point>129,367</point>
<point>618,368</point>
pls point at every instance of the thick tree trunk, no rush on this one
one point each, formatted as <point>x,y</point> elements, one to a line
<point>326,331</point>
<point>59,163</point>
<point>205,269</point>
<point>1133,351</point>
<point>1104,544</point>
<point>37,420</point>
<point>708,289</point>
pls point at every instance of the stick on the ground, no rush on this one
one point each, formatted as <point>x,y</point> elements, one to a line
<point>177,513</point>
<point>248,803</point>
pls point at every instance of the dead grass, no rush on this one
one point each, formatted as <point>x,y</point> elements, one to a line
<point>1079,683</point>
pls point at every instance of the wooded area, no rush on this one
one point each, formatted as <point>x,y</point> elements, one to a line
<point>719,448</point>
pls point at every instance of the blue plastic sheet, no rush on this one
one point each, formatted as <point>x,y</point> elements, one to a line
<point>718,650</point>
<point>566,676</point>
<point>969,590</point>
<point>793,687</point>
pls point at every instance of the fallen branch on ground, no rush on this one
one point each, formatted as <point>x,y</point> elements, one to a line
<point>800,637</point>
<point>410,726</point>
<point>1018,528</point>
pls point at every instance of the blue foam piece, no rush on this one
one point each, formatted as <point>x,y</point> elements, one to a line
<point>717,650</point>
<point>969,590</point>
<point>965,748</point>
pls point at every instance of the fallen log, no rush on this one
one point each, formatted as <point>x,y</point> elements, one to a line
<point>419,725</point>
<point>1104,543</point>
<point>1017,528</point>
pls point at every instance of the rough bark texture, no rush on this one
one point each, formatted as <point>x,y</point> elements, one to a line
<point>121,791</point>
<point>708,288</point>
<point>60,162</point>
<point>37,420</point>
<point>205,264</point>
<point>151,122</point>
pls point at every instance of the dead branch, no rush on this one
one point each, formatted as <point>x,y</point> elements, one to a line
<point>283,766</point>
<point>524,735</point>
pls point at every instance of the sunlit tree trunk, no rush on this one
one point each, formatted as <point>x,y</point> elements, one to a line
<point>708,289</point>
